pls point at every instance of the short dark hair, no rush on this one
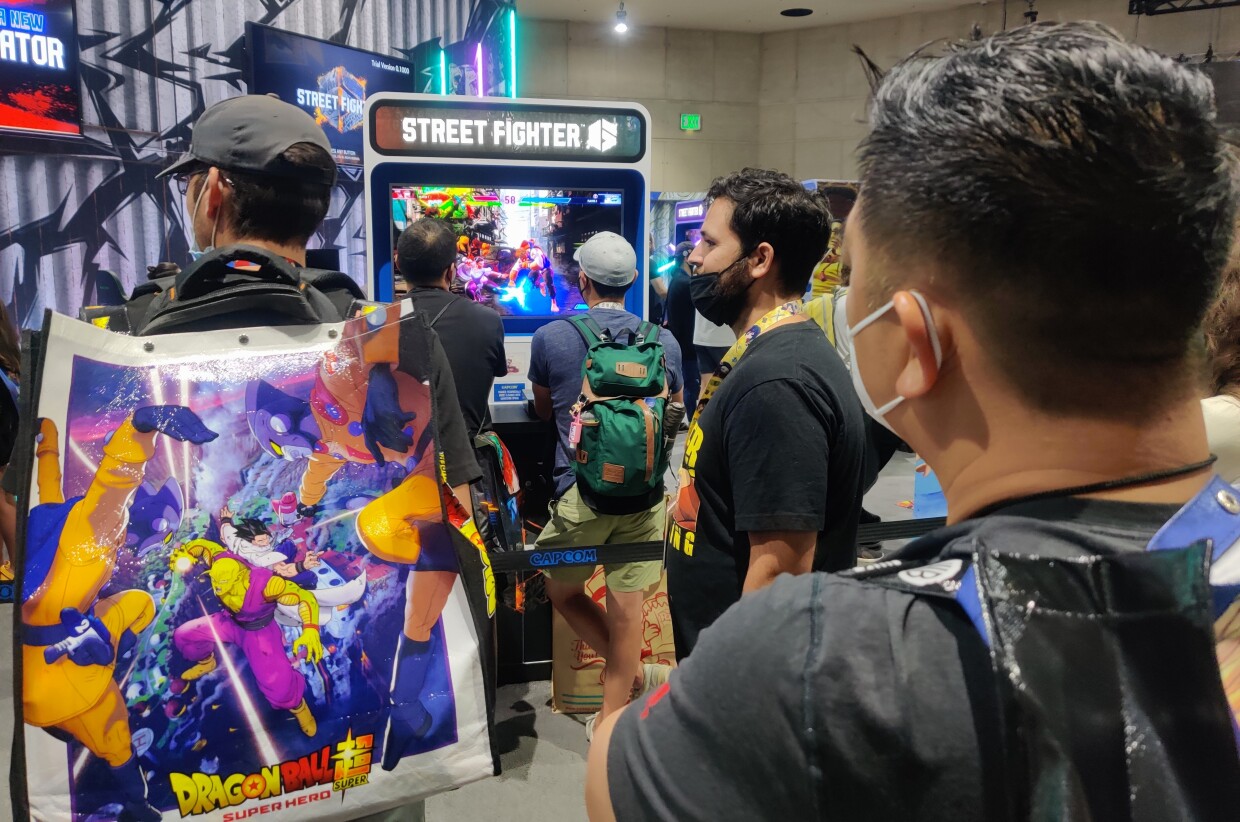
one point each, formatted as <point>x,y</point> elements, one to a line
<point>248,528</point>
<point>1074,193</point>
<point>771,207</point>
<point>281,209</point>
<point>615,293</point>
<point>425,249</point>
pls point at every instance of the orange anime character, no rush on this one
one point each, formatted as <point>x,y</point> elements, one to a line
<point>71,639</point>
<point>364,411</point>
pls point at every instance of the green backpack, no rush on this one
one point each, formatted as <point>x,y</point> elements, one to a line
<point>617,424</point>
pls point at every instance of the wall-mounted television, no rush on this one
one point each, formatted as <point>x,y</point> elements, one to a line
<point>39,87</point>
<point>515,246</point>
<point>329,81</point>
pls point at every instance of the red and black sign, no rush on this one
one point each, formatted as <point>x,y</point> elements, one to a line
<point>39,88</point>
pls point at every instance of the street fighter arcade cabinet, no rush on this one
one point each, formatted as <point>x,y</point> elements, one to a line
<point>523,183</point>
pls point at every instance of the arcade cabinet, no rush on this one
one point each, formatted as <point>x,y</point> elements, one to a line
<point>523,183</point>
<point>689,217</point>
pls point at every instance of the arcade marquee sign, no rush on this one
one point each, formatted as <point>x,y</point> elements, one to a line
<point>484,131</point>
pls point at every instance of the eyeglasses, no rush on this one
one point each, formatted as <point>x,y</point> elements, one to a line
<point>183,180</point>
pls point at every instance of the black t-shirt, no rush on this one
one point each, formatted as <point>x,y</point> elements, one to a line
<point>678,312</point>
<point>830,698</point>
<point>473,338</point>
<point>781,448</point>
<point>454,439</point>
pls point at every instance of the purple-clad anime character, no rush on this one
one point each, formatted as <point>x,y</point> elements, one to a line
<point>154,516</point>
<point>283,425</point>
<point>249,596</point>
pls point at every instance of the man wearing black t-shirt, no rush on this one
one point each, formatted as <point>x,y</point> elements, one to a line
<point>1023,199</point>
<point>472,335</point>
<point>771,481</point>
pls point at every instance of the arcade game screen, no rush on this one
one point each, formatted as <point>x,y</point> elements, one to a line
<point>39,84</point>
<point>514,246</point>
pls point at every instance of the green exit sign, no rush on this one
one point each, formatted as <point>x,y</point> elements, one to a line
<point>690,122</point>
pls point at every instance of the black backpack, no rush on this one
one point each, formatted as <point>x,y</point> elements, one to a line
<point>213,293</point>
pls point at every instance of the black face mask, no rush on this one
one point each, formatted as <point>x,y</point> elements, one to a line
<point>719,309</point>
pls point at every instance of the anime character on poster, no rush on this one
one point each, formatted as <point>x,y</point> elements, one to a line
<point>71,639</point>
<point>364,411</point>
<point>250,595</point>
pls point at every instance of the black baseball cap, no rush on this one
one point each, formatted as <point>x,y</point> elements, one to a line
<point>249,134</point>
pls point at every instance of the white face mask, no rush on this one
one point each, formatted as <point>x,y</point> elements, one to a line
<point>880,413</point>
<point>194,251</point>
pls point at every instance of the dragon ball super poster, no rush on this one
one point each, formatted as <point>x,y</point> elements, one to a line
<point>245,589</point>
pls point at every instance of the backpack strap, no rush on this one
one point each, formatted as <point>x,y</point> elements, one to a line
<point>444,310</point>
<point>336,286</point>
<point>589,329</point>
<point>951,579</point>
<point>647,332</point>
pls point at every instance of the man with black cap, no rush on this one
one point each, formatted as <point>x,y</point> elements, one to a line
<point>257,181</point>
<point>608,266</point>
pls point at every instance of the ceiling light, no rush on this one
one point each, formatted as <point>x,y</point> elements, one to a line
<point>622,17</point>
<point>797,12</point>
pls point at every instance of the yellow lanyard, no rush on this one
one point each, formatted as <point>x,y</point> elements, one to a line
<point>769,320</point>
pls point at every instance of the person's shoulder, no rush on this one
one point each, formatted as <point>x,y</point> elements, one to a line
<point>559,329</point>
<point>481,314</point>
<point>782,612</point>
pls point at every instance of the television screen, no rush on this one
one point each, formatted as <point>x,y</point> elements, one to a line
<point>515,246</point>
<point>329,81</point>
<point>39,88</point>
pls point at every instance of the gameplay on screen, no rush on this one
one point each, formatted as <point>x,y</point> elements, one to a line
<point>515,246</point>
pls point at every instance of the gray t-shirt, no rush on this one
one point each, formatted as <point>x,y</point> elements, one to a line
<point>556,355</point>
<point>823,697</point>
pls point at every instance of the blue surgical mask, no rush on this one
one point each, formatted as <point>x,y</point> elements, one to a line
<point>879,413</point>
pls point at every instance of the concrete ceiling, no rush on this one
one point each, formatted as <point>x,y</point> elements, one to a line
<point>754,16</point>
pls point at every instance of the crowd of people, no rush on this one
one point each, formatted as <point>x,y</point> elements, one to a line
<point>1043,240</point>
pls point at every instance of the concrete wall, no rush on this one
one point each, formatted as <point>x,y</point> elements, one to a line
<point>789,100</point>
<point>669,71</point>
<point>814,91</point>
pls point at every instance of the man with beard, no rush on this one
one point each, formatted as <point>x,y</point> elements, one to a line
<point>771,481</point>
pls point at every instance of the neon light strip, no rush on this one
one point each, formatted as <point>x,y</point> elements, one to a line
<point>482,89</point>
<point>443,72</point>
<point>512,47</point>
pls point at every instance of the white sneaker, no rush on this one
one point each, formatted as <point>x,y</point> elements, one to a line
<point>590,727</point>
<point>653,676</point>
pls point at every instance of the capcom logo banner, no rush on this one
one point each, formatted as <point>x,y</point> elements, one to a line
<point>348,767</point>
<point>242,592</point>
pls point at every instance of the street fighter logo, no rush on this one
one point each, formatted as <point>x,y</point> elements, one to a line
<point>341,99</point>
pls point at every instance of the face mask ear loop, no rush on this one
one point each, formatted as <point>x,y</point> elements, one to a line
<point>930,328</point>
<point>870,320</point>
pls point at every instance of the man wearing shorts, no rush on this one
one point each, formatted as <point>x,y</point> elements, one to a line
<point>608,268</point>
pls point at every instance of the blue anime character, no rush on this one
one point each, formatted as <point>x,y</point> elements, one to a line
<point>283,425</point>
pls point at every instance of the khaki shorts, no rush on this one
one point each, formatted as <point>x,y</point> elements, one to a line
<point>574,524</point>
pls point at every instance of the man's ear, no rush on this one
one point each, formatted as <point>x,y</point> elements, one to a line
<point>762,260</point>
<point>217,190</point>
<point>921,371</point>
